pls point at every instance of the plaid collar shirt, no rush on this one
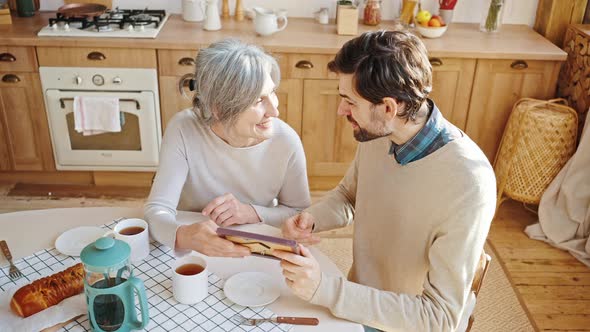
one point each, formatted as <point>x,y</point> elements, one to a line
<point>435,134</point>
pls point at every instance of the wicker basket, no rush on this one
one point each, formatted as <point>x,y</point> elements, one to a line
<point>539,139</point>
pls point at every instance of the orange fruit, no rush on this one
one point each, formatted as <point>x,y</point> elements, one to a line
<point>434,23</point>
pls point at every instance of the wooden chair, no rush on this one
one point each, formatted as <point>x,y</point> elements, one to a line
<point>480,273</point>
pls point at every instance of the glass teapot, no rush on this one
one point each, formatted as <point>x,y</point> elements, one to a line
<point>110,287</point>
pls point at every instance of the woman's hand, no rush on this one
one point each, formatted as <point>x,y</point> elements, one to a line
<point>202,237</point>
<point>226,210</point>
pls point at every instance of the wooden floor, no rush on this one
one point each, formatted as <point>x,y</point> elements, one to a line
<point>553,286</point>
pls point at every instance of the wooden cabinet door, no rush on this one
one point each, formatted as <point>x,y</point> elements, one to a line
<point>171,101</point>
<point>327,138</point>
<point>290,94</point>
<point>497,85</point>
<point>451,87</point>
<point>24,123</point>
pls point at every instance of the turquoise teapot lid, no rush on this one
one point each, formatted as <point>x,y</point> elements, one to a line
<point>105,254</point>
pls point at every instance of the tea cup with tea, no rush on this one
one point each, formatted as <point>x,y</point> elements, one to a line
<point>190,279</point>
<point>135,232</point>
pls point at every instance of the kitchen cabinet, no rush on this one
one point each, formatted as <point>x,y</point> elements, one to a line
<point>171,100</point>
<point>173,64</point>
<point>24,132</point>
<point>290,94</point>
<point>18,58</point>
<point>96,57</point>
<point>451,87</point>
<point>497,85</point>
<point>327,137</point>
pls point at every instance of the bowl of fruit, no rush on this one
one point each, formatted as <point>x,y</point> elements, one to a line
<point>430,26</point>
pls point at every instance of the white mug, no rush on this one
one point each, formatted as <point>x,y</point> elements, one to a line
<point>189,287</point>
<point>138,241</point>
<point>192,10</point>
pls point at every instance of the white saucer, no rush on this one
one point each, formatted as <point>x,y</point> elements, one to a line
<point>251,289</point>
<point>71,242</point>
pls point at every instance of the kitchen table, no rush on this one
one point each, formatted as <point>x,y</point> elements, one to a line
<point>30,231</point>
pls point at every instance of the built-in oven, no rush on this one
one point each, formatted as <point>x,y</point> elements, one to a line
<point>134,148</point>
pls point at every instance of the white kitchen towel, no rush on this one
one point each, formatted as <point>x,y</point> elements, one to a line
<point>62,312</point>
<point>96,115</point>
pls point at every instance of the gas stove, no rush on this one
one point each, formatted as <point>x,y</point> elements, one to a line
<point>123,23</point>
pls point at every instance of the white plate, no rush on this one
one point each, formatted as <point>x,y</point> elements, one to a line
<point>72,242</point>
<point>251,289</point>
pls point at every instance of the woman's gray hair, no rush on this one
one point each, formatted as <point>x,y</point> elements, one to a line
<point>228,79</point>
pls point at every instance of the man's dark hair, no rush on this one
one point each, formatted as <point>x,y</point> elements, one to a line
<point>387,64</point>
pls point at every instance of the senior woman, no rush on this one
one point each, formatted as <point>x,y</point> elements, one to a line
<point>229,156</point>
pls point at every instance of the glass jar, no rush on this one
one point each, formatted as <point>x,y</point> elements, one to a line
<point>491,18</point>
<point>372,13</point>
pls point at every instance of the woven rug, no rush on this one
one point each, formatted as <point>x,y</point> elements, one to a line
<point>497,309</point>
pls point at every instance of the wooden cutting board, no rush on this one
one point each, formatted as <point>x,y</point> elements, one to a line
<point>107,3</point>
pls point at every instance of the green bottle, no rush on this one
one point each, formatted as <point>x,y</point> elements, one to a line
<point>25,8</point>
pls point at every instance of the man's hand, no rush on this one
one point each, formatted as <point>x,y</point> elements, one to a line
<point>202,237</point>
<point>302,273</point>
<point>299,228</point>
<point>226,210</point>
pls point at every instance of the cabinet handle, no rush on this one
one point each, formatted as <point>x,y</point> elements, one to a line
<point>7,57</point>
<point>304,64</point>
<point>519,64</point>
<point>96,56</point>
<point>10,78</point>
<point>186,62</point>
<point>436,62</point>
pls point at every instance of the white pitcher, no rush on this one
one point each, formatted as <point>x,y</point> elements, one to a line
<point>266,21</point>
<point>212,20</point>
<point>192,10</point>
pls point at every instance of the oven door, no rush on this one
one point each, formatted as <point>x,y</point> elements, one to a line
<point>134,148</point>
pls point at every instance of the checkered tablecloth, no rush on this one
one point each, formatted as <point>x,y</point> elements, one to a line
<point>212,314</point>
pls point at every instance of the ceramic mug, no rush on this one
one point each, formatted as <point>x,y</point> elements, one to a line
<point>135,233</point>
<point>190,279</point>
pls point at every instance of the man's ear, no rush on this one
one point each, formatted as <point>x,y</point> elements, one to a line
<point>391,107</point>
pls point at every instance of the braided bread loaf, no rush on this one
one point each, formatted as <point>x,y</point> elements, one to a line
<point>48,291</point>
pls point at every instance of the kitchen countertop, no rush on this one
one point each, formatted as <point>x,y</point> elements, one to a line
<point>302,35</point>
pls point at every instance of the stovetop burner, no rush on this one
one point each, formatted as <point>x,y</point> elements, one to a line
<point>123,19</point>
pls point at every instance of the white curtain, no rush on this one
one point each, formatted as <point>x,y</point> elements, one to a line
<point>564,210</point>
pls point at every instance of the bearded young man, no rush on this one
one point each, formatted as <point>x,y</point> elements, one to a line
<point>420,192</point>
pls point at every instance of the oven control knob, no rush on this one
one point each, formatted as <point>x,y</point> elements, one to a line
<point>117,80</point>
<point>98,80</point>
<point>78,80</point>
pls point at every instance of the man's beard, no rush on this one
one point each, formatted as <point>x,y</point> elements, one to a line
<point>362,134</point>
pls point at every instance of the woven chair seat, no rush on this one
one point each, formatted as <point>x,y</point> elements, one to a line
<point>539,139</point>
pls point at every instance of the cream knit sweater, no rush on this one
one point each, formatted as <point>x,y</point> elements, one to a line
<point>419,232</point>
